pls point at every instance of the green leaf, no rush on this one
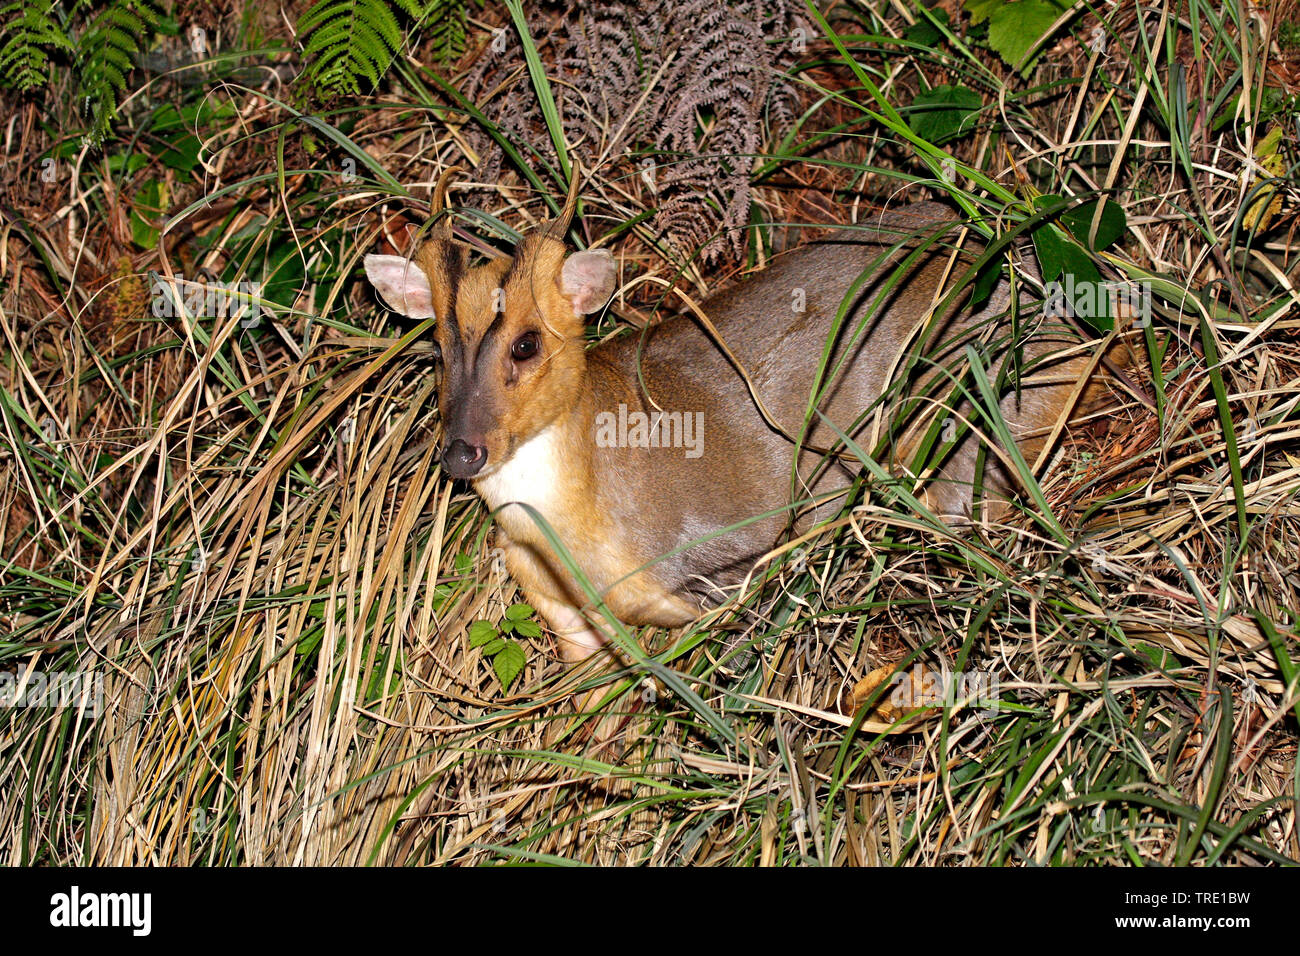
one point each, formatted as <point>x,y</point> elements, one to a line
<point>182,153</point>
<point>508,663</point>
<point>1048,246</point>
<point>480,632</point>
<point>285,275</point>
<point>981,10</point>
<point>944,112</point>
<point>1155,656</point>
<point>528,628</point>
<point>123,164</point>
<point>1089,296</point>
<point>146,214</point>
<point>1016,28</point>
<point>1112,226</point>
<point>1072,278</point>
<point>925,33</point>
<point>985,283</point>
<point>1075,262</point>
<point>519,612</point>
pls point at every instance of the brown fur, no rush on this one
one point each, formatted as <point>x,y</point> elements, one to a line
<point>620,510</point>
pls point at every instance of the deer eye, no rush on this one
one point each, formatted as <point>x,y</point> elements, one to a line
<point>525,347</point>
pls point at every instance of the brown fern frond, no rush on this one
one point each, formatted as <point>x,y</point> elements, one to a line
<point>697,84</point>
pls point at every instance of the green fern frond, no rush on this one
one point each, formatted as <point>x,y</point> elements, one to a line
<point>30,32</point>
<point>446,21</point>
<point>351,41</point>
<point>105,52</point>
<point>347,41</point>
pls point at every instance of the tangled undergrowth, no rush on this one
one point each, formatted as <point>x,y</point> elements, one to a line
<point>237,523</point>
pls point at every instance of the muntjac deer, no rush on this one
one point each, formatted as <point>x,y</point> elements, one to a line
<point>649,444</point>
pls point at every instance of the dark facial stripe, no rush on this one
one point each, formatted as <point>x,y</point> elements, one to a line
<point>510,270</point>
<point>457,349</point>
<point>525,253</point>
<point>451,265</point>
<point>489,336</point>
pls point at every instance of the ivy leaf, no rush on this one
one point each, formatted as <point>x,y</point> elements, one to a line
<point>508,663</point>
<point>1016,28</point>
<point>945,112</point>
<point>480,632</point>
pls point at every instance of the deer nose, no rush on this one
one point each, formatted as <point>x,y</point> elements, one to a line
<point>463,460</point>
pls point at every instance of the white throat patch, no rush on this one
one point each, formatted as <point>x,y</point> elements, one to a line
<point>531,475</point>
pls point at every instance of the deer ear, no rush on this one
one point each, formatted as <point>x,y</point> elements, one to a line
<point>587,279</point>
<point>402,283</point>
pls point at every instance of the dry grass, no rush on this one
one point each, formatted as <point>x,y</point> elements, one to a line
<point>245,531</point>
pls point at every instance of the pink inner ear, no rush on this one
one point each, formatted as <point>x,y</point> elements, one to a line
<point>587,279</point>
<point>402,283</point>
